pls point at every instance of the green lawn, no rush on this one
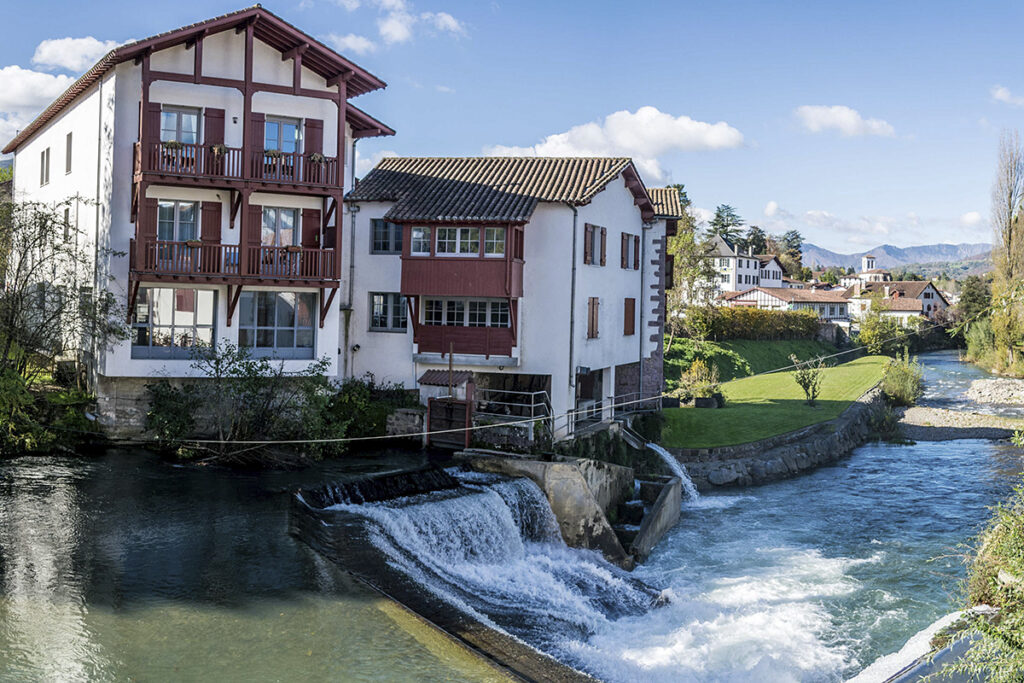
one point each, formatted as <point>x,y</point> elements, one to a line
<point>739,357</point>
<point>766,405</point>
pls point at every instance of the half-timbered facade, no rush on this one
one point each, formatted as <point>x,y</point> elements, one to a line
<point>830,306</point>
<point>541,277</point>
<point>215,156</point>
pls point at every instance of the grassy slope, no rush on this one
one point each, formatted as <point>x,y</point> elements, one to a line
<point>766,405</point>
<point>729,356</point>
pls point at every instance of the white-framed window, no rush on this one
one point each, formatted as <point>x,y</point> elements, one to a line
<point>282,134</point>
<point>277,323</point>
<point>420,245</point>
<point>494,242</point>
<point>280,227</point>
<point>176,220</point>
<point>67,154</point>
<point>387,312</point>
<point>179,124</point>
<point>723,262</point>
<point>467,312</point>
<point>385,237</point>
<point>44,167</point>
<point>170,323</point>
<point>458,241</point>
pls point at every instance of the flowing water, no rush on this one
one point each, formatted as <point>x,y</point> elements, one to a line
<point>123,567</point>
<point>678,469</point>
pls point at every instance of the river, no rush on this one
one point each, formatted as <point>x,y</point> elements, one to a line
<point>126,567</point>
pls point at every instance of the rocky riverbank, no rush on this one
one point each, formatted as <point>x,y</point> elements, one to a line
<point>1001,390</point>
<point>938,424</point>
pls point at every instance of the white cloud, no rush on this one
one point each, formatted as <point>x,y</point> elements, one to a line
<point>848,122</point>
<point>396,27</point>
<point>1002,94</point>
<point>350,42</point>
<point>701,216</point>
<point>970,219</point>
<point>73,54</point>
<point>771,208</point>
<point>365,164</point>
<point>444,89</point>
<point>350,5</point>
<point>442,21</point>
<point>23,94</point>
<point>643,135</point>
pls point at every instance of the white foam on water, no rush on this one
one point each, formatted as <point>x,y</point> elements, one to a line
<point>918,646</point>
<point>714,502</point>
<point>678,469</point>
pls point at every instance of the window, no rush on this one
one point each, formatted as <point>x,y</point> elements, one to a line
<point>927,295</point>
<point>280,227</point>
<point>593,304</point>
<point>420,241</point>
<point>594,245</point>
<point>723,262</point>
<point>494,242</point>
<point>170,323</point>
<point>386,237</point>
<point>629,317</point>
<point>277,323</point>
<point>67,154</point>
<point>67,222</point>
<point>44,167</point>
<point>388,312</point>
<point>176,221</point>
<point>467,313</point>
<point>281,134</point>
<point>831,311</point>
<point>180,125</point>
<point>458,241</point>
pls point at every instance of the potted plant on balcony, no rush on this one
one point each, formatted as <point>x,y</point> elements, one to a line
<point>171,144</point>
<point>218,149</point>
<point>272,153</point>
<point>293,248</point>
<point>317,158</point>
<point>193,244</point>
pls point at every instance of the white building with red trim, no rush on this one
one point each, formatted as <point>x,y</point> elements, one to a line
<point>828,306</point>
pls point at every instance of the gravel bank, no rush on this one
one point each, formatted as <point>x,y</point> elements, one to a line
<point>939,424</point>
<point>1002,390</point>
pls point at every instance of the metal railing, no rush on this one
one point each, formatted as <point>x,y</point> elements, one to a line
<point>503,404</point>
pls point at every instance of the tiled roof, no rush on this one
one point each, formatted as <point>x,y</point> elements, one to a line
<point>666,201</point>
<point>494,189</point>
<point>268,27</point>
<point>722,247</point>
<point>804,296</point>
<point>440,378</point>
<point>910,289</point>
<point>902,304</point>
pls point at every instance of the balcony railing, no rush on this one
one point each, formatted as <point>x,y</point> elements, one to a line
<point>192,259</point>
<point>218,161</point>
<point>477,341</point>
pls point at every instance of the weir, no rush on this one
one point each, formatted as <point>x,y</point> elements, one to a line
<point>483,560</point>
<point>678,469</point>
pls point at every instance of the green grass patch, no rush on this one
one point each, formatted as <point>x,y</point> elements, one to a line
<point>767,405</point>
<point>739,357</point>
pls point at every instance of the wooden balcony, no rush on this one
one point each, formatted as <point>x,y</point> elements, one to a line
<point>192,163</point>
<point>477,341</point>
<point>209,262</point>
<point>476,276</point>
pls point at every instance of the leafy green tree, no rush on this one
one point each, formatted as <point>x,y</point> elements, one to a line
<point>830,276</point>
<point>726,223</point>
<point>756,240</point>
<point>975,298</point>
<point>880,334</point>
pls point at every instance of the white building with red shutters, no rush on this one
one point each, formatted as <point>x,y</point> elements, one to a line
<point>213,161</point>
<point>537,279</point>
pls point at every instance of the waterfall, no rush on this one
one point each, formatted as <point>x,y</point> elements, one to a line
<point>678,469</point>
<point>493,549</point>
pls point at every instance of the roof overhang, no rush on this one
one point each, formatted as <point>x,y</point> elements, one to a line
<point>267,27</point>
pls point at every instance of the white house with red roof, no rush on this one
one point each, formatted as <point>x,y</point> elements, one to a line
<point>828,306</point>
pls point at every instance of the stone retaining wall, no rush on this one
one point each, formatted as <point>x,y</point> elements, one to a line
<point>784,455</point>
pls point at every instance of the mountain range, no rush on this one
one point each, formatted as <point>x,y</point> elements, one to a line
<point>888,256</point>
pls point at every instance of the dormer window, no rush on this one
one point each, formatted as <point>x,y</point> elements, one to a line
<point>179,124</point>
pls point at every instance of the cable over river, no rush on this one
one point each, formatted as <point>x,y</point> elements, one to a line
<point>127,567</point>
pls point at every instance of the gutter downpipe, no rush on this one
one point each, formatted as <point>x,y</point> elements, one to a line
<point>572,323</point>
<point>353,209</point>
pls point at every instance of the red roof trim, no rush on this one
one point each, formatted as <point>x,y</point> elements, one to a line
<point>270,29</point>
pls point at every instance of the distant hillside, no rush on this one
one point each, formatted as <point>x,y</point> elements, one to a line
<point>888,256</point>
<point>979,264</point>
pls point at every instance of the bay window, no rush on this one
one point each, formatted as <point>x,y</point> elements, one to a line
<point>277,324</point>
<point>467,313</point>
<point>494,242</point>
<point>420,241</point>
<point>458,241</point>
<point>171,323</point>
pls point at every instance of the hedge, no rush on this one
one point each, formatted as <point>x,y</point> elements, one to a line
<point>720,323</point>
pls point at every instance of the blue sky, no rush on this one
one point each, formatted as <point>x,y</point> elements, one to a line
<point>857,123</point>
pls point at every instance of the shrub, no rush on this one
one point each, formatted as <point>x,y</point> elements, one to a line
<point>808,377</point>
<point>903,380</point>
<point>700,381</point>
<point>722,323</point>
<point>366,405</point>
<point>685,351</point>
<point>885,425</point>
<point>881,334</point>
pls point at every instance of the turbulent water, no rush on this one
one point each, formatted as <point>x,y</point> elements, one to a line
<point>679,470</point>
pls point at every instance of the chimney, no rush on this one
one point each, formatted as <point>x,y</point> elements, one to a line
<point>857,288</point>
<point>887,291</point>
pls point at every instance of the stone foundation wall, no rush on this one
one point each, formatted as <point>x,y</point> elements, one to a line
<point>122,403</point>
<point>406,421</point>
<point>785,455</point>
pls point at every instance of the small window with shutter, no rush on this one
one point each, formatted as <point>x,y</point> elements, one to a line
<point>593,304</point>
<point>629,317</point>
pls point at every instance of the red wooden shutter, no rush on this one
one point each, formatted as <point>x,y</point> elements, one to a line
<point>254,226</point>
<point>145,229</point>
<point>211,222</point>
<point>314,138</point>
<point>588,243</point>
<point>590,318</point>
<point>213,124</point>
<point>624,246</point>
<point>604,245</point>
<point>636,252</point>
<point>629,319</point>
<point>151,123</point>
<point>311,228</point>
<point>257,129</point>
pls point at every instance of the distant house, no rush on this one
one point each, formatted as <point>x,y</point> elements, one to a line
<point>826,305</point>
<point>739,270</point>
<point>771,272</point>
<point>868,273</point>
<point>931,300</point>
<point>902,309</point>
<point>790,283</point>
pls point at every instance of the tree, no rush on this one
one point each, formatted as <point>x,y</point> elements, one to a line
<point>726,223</point>
<point>756,240</point>
<point>1008,243</point>
<point>975,298</point>
<point>830,276</point>
<point>808,376</point>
